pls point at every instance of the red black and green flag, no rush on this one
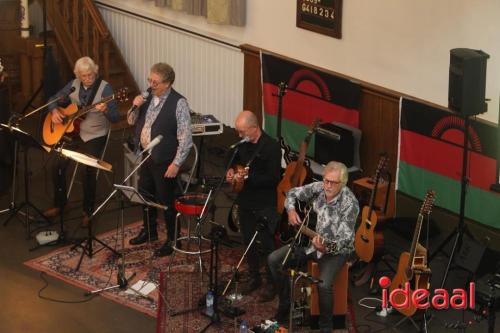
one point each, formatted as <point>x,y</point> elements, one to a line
<point>431,156</point>
<point>310,94</point>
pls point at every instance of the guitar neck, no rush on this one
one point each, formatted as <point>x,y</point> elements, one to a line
<point>308,232</point>
<point>414,242</point>
<point>87,109</point>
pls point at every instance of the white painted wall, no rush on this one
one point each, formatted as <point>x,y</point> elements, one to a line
<point>398,44</point>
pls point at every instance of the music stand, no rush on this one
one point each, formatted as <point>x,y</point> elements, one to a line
<point>87,248</point>
<point>79,158</point>
<point>24,139</point>
<point>132,194</point>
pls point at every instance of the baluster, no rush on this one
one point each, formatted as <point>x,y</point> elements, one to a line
<point>95,44</point>
<point>76,20</point>
<point>85,30</point>
<point>105,56</point>
<point>65,10</point>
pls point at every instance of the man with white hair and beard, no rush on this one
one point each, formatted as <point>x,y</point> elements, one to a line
<point>86,89</point>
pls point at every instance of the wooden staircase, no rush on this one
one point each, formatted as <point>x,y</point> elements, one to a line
<point>80,31</point>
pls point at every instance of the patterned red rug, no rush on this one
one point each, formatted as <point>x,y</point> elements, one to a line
<point>177,277</point>
<point>100,271</point>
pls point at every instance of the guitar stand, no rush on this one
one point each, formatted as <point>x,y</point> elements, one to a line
<point>402,320</point>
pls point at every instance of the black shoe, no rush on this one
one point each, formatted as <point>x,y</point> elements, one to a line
<point>251,285</point>
<point>142,237</point>
<point>165,250</point>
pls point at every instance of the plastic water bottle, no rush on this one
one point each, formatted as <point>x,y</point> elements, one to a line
<point>243,326</point>
<point>210,303</point>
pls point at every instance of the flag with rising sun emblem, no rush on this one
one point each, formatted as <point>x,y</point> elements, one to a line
<point>431,154</point>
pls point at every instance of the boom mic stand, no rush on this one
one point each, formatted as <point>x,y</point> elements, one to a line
<point>122,280</point>
<point>87,248</point>
<point>292,272</point>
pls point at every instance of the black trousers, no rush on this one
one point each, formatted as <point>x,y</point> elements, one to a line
<point>154,187</point>
<point>265,221</point>
<point>92,147</point>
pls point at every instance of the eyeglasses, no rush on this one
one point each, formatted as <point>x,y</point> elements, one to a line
<point>154,83</point>
<point>331,182</point>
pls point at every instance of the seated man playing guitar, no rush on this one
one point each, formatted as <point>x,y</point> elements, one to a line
<point>261,157</point>
<point>86,89</point>
<point>337,209</point>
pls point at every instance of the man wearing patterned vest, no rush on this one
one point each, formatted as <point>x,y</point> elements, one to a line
<point>86,89</point>
<point>164,112</point>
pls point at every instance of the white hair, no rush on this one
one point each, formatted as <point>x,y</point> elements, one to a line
<point>85,64</point>
<point>338,166</point>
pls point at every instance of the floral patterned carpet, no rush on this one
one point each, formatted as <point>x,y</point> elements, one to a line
<point>177,277</point>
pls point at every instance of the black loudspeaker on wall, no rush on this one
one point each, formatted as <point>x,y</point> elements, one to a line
<point>467,81</point>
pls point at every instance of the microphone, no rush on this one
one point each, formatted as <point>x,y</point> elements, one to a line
<point>153,143</point>
<point>144,95</point>
<point>309,277</point>
<point>234,145</point>
<point>330,134</point>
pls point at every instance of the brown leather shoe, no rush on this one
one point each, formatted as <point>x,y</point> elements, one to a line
<point>52,212</point>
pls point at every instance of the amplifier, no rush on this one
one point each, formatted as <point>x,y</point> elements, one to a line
<point>205,124</point>
<point>488,290</point>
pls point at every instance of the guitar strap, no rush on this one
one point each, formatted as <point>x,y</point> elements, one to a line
<point>93,92</point>
<point>255,153</point>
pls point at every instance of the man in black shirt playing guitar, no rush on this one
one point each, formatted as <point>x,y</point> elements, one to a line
<point>261,158</point>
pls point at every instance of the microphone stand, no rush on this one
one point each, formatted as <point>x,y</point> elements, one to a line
<point>87,248</point>
<point>14,120</point>
<point>214,316</point>
<point>292,272</point>
<point>38,109</point>
<point>122,280</point>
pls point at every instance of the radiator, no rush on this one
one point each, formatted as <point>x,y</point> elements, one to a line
<point>208,73</point>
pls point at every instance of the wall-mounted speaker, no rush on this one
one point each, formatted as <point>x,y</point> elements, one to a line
<point>467,81</point>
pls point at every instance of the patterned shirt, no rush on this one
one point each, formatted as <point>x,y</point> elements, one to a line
<point>336,219</point>
<point>182,113</point>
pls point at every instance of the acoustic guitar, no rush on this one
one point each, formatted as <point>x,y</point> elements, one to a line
<point>295,172</point>
<point>237,183</point>
<point>52,132</point>
<point>368,241</point>
<point>412,266</point>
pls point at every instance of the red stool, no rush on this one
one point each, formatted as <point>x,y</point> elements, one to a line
<point>190,206</point>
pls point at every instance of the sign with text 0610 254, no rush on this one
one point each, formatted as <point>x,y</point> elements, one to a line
<point>322,16</point>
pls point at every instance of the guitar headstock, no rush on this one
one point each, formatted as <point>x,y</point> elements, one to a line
<point>382,165</point>
<point>121,94</point>
<point>282,89</point>
<point>312,128</point>
<point>429,198</point>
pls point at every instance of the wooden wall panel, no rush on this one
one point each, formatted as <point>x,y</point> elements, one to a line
<point>252,85</point>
